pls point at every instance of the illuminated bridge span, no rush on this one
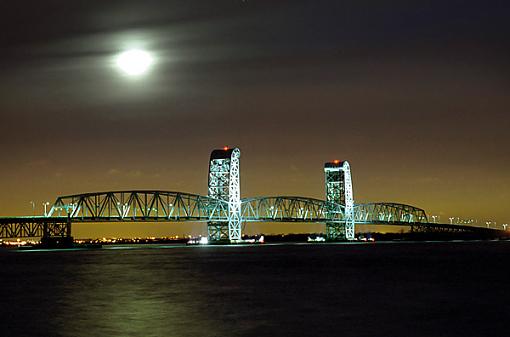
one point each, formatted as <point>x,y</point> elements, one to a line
<point>223,210</point>
<point>177,206</point>
<point>385,212</point>
<point>139,206</point>
<point>166,206</point>
<point>290,209</point>
<point>300,209</point>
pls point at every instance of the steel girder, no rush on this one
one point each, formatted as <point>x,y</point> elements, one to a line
<point>27,227</point>
<point>140,206</point>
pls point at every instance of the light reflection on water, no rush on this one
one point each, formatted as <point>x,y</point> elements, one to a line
<point>274,290</point>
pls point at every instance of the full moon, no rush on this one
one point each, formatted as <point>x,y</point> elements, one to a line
<point>134,62</point>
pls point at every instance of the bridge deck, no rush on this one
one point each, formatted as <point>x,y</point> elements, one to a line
<point>37,226</point>
<point>168,206</point>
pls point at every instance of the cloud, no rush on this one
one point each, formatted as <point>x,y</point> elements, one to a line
<point>134,173</point>
<point>38,163</point>
<point>428,180</point>
<point>113,172</point>
<point>123,173</point>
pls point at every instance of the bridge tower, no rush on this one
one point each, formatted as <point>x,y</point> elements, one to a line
<point>339,190</point>
<point>224,184</point>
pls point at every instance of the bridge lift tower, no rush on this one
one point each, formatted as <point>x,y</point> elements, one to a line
<point>339,191</point>
<point>224,184</point>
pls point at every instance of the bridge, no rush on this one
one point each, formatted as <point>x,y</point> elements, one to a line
<point>223,210</point>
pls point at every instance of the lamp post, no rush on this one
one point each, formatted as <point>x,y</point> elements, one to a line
<point>46,204</point>
<point>33,207</point>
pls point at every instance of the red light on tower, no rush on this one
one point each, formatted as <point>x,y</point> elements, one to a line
<point>225,148</point>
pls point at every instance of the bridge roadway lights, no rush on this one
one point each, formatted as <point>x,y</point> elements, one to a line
<point>338,185</point>
<point>224,184</point>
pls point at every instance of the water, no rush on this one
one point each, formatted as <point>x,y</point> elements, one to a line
<point>399,289</point>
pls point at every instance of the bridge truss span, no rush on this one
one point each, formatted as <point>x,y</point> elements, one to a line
<point>178,206</point>
<point>390,213</point>
<point>140,206</point>
<point>290,209</point>
<point>30,227</point>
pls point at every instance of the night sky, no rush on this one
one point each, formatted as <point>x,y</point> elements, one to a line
<point>415,94</point>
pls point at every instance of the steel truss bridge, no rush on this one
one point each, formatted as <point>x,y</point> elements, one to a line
<point>225,213</point>
<point>153,206</point>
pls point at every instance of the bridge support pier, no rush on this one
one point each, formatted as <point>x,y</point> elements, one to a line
<point>335,231</point>
<point>224,184</point>
<point>217,231</point>
<point>63,237</point>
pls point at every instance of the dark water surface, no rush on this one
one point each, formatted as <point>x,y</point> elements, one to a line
<point>400,289</point>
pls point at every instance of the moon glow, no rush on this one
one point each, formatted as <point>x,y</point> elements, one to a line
<point>134,62</point>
